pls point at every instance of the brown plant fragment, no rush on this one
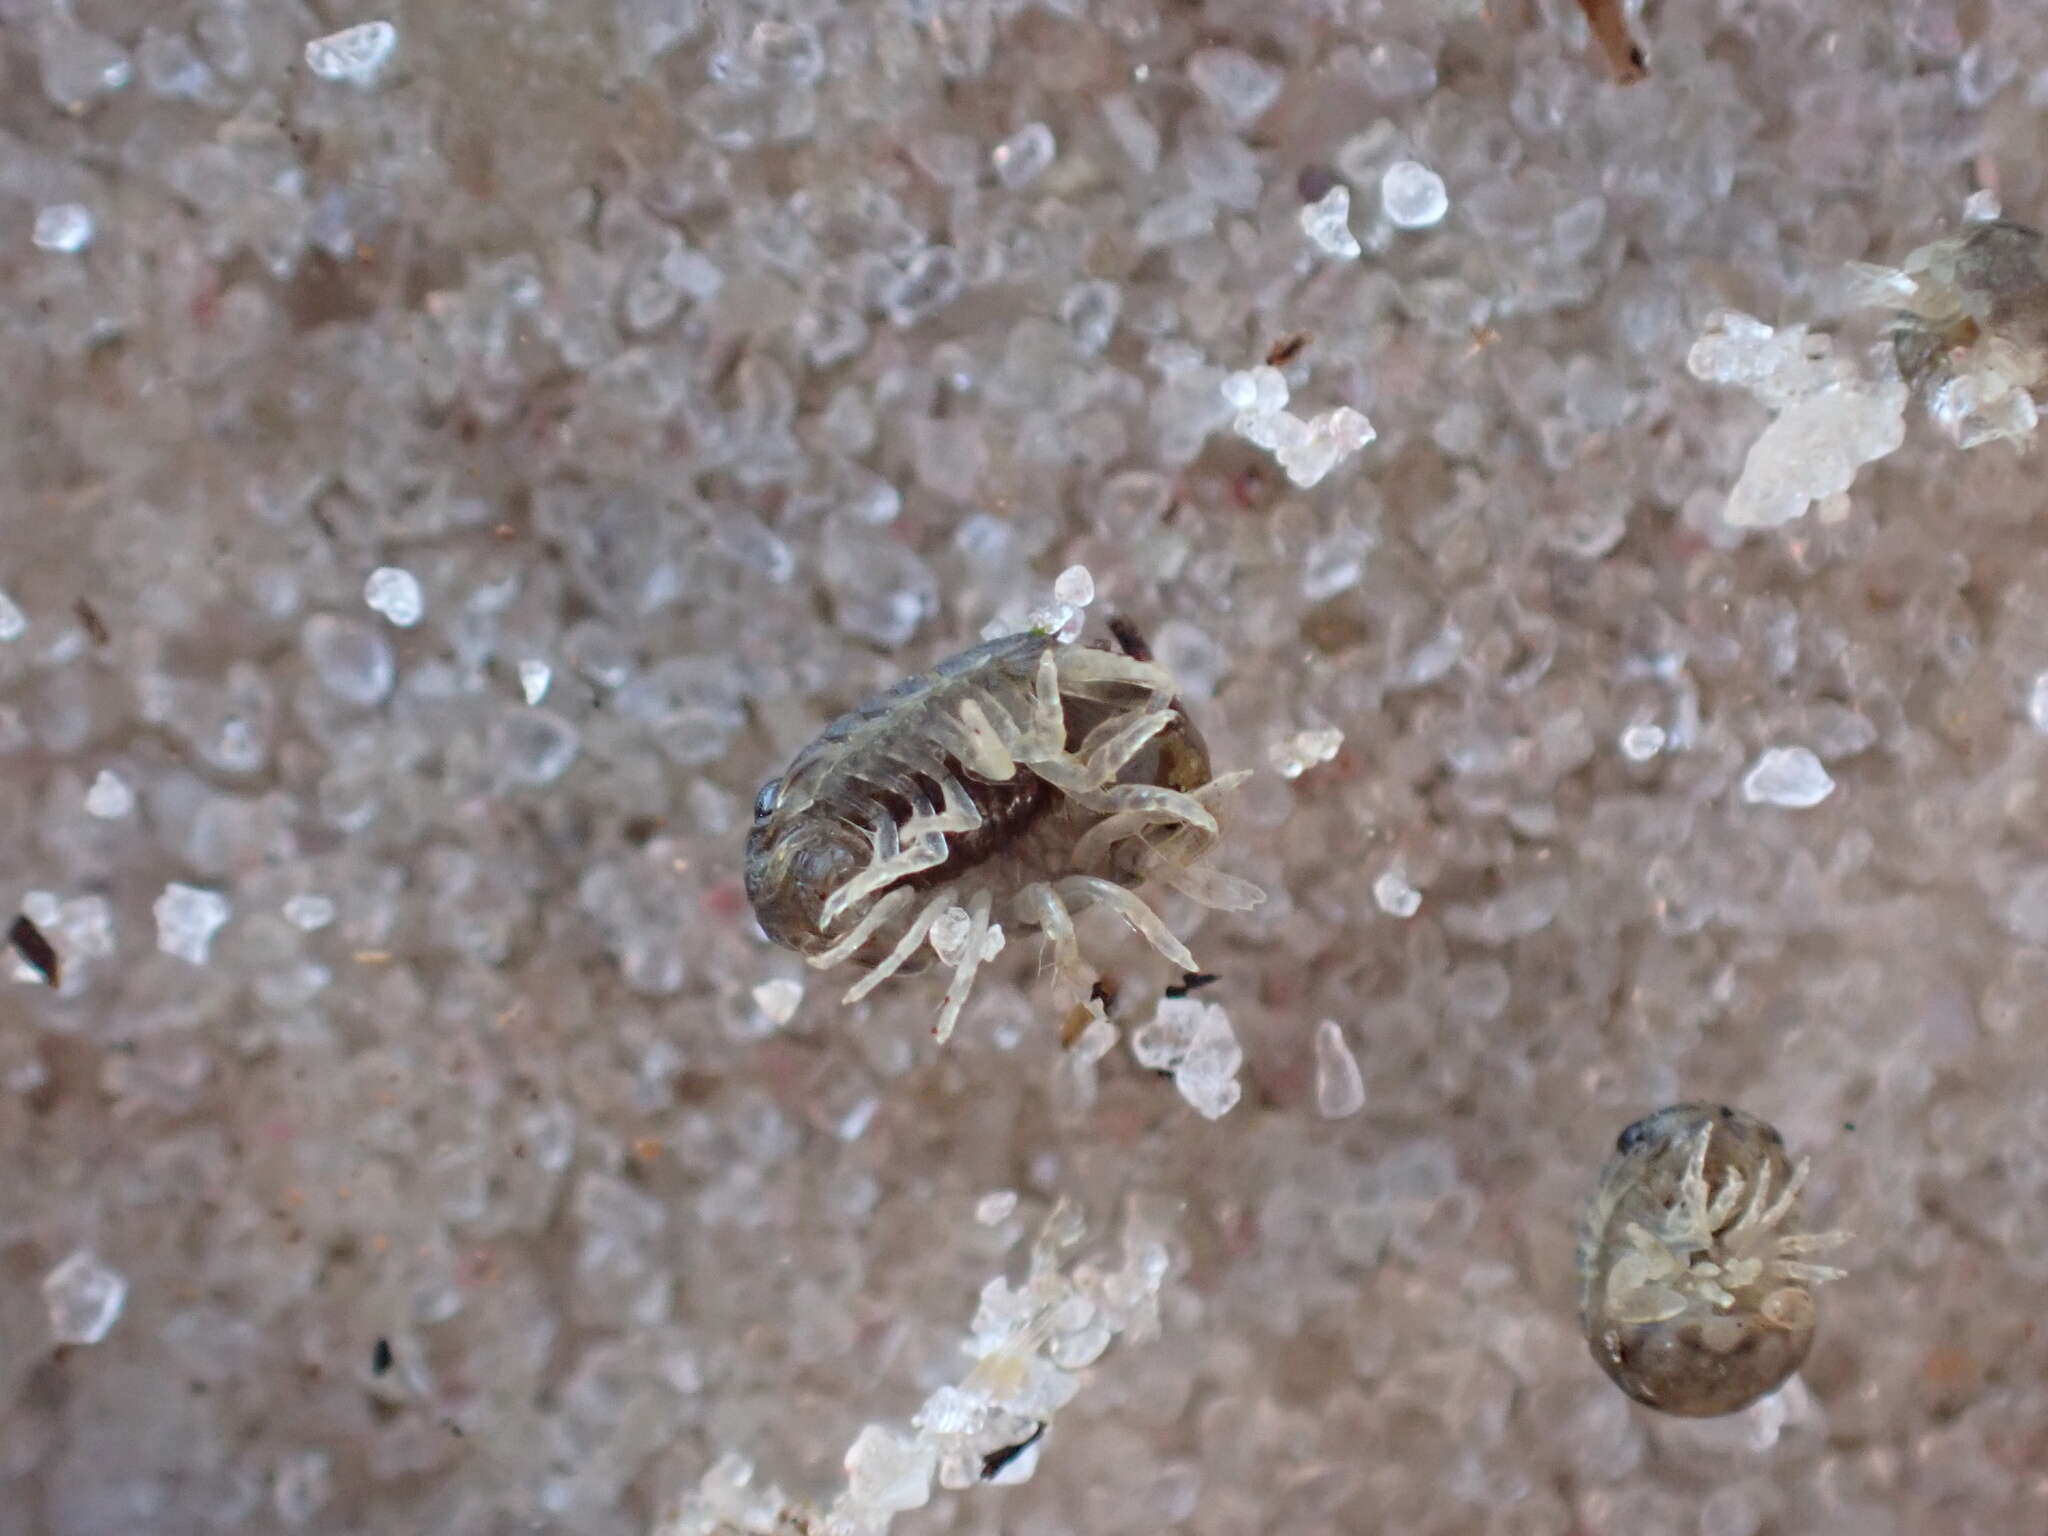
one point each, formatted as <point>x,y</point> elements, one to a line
<point>1610,31</point>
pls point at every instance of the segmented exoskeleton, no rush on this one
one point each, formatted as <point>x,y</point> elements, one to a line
<point>1023,780</point>
<point>1694,1275</point>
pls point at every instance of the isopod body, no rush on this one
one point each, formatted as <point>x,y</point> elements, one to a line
<point>1976,299</point>
<point>1021,780</point>
<point>1695,1276</point>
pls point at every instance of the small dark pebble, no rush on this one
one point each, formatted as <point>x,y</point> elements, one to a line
<point>29,943</point>
<point>1130,638</point>
<point>380,1358</point>
<point>1314,183</point>
<point>995,1461</point>
<point>1194,981</point>
<point>89,616</point>
<point>1286,350</point>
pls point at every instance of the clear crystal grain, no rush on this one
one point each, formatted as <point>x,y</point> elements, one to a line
<point>1413,196</point>
<point>1642,741</point>
<point>532,747</point>
<point>66,228</point>
<point>995,1208</point>
<point>108,797</point>
<point>1327,223</point>
<point>350,658</point>
<point>1237,86</point>
<point>83,1297</point>
<point>1393,895</point>
<point>1789,777</point>
<point>889,1473</point>
<point>187,918</point>
<point>1340,1089</point>
<point>355,55</point>
<point>78,66</point>
<point>930,281</point>
<point>1024,156</point>
<point>308,911</point>
<point>1075,585</point>
<point>394,592</point>
<point>779,999</point>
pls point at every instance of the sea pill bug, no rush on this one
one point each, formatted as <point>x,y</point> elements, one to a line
<point>1020,781</point>
<point>1695,1280</point>
<point>1984,291</point>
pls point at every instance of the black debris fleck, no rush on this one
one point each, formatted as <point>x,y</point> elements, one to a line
<point>29,943</point>
<point>1129,638</point>
<point>380,1358</point>
<point>995,1461</point>
<point>1194,981</point>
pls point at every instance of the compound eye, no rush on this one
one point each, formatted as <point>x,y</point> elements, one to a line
<point>1634,1136</point>
<point>766,801</point>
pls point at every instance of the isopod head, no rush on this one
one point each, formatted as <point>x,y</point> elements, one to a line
<point>1695,1286</point>
<point>792,870</point>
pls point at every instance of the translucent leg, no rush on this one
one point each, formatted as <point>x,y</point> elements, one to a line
<point>885,871</point>
<point>964,969</point>
<point>981,745</point>
<point>1182,847</point>
<point>1220,786</point>
<point>904,947</point>
<point>1084,665</point>
<point>920,845</point>
<point>1092,770</point>
<point>1041,906</point>
<point>1133,808</point>
<point>1210,887</point>
<point>1079,890</point>
<point>880,913</point>
<point>1045,734</point>
<point>1770,1216</point>
<point>1729,1196</point>
<point>1112,744</point>
<point>1807,1274</point>
<point>958,813</point>
<point>1064,772</point>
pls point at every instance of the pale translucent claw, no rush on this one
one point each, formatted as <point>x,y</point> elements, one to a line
<point>1046,735</point>
<point>925,853</point>
<point>1081,889</point>
<point>1041,906</point>
<point>1083,665</point>
<point>963,971</point>
<point>880,913</point>
<point>1809,1274</point>
<point>1783,1204</point>
<point>903,949</point>
<point>981,746</point>
<point>1211,887</point>
<point>1106,749</point>
<point>1136,806</point>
